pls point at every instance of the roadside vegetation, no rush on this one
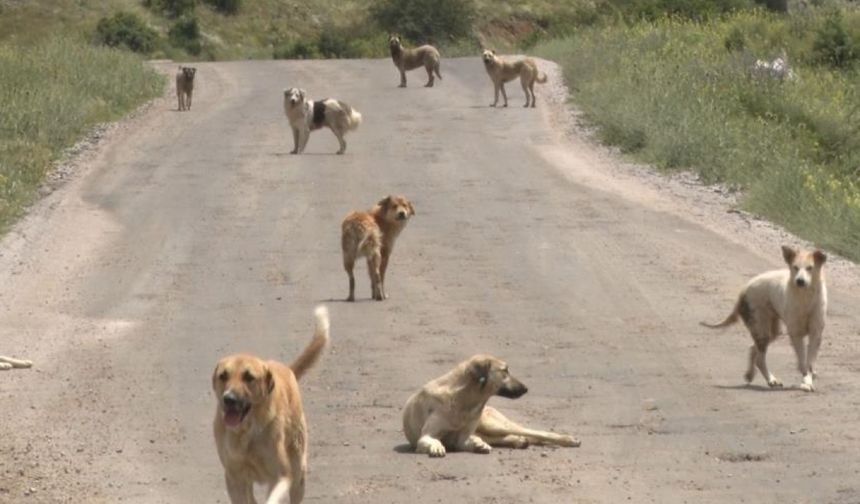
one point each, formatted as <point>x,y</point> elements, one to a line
<point>682,95</point>
<point>668,82</point>
<point>52,93</point>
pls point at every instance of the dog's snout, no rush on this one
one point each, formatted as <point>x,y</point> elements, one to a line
<point>230,399</point>
<point>801,282</point>
<point>401,214</point>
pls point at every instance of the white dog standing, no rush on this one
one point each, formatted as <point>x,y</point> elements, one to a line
<point>307,115</point>
<point>797,296</point>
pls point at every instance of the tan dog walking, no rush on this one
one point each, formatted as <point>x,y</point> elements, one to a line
<point>410,59</point>
<point>797,297</point>
<point>260,428</point>
<point>372,235</point>
<point>185,87</point>
<point>501,71</point>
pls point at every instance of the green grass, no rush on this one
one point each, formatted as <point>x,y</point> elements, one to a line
<point>669,93</point>
<point>52,94</point>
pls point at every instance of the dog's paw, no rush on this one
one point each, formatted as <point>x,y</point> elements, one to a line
<point>570,442</point>
<point>748,377</point>
<point>436,450</point>
<point>774,382</point>
<point>807,387</point>
<point>4,366</point>
<point>520,442</point>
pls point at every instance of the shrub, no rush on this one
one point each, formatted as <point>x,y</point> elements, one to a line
<point>333,43</point>
<point>735,41</point>
<point>185,34</point>
<point>171,8</point>
<point>297,49</point>
<point>832,45</point>
<point>225,6</point>
<point>423,20</point>
<point>125,29</point>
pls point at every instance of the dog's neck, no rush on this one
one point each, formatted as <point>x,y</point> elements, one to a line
<point>395,52</point>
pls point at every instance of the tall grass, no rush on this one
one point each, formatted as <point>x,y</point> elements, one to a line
<point>52,93</point>
<point>670,93</point>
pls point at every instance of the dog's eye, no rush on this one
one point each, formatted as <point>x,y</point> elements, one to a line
<point>223,376</point>
<point>247,377</point>
<point>809,268</point>
<point>794,268</point>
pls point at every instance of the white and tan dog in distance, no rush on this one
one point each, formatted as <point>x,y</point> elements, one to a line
<point>306,115</point>
<point>501,71</point>
<point>7,363</point>
<point>797,296</point>
<point>410,59</point>
<point>260,429</point>
<point>451,412</point>
<point>185,86</point>
<point>372,235</point>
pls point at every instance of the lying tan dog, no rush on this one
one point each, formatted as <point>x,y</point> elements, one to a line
<point>185,86</point>
<point>306,115</point>
<point>372,234</point>
<point>410,59</point>
<point>7,363</point>
<point>501,71</point>
<point>450,412</point>
<point>260,429</point>
<point>797,296</point>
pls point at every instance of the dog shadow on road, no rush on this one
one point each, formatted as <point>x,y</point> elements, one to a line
<point>405,448</point>
<point>758,388</point>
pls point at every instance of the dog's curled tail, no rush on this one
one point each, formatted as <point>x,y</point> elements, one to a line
<point>354,116</point>
<point>311,354</point>
<point>541,78</point>
<point>731,319</point>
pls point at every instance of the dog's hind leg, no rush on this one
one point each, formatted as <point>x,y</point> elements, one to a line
<point>750,374</point>
<point>373,263</point>
<point>525,85</point>
<point>429,68</point>
<point>532,89</point>
<point>349,266</point>
<point>761,363</point>
<point>9,363</point>
<point>509,441</point>
<point>340,140</point>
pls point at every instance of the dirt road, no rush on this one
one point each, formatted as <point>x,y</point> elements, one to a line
<point>192,235</point>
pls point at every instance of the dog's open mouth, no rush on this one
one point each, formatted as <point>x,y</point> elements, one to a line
<point>234,413</point>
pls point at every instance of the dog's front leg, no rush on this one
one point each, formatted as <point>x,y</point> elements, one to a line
<point>402,77</point>
<point>383,266</point>
<point>240,491</point>
<point>504,95</point>
<point>430,445</point>
<point>802,363</point>
<point>495,95</point>
<point>474,444</point>
<point>304,136</point>
<point>812,352</point>
<point>295,141</point>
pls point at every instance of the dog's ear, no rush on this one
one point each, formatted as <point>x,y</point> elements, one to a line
<point>411,208</point>
<point>270,380</point>
<point>788,254</point>
<point>215,374</point>
<point>480,372</point>
<point>819,257</point>
<point>385,202</point>
<point>493,52</point>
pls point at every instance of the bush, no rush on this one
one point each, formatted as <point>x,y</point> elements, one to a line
<point>832,45</point>
<point>297,49</point>
<point>185,34</point>
<point>735,41</point>
<point>425,20</point>
<point>125,29</point>
<point>171,8</point>
<point>225,6</point>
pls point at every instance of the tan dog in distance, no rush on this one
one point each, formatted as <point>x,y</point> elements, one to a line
<point>7,363</point>
<point>501,71</point>
<point>306,115</point>
<point>260,429</point>
<point>410,59</point>
<point>185,86</point>
<point>372,234</point>
<point>797,296</point>
<point>450,412</point>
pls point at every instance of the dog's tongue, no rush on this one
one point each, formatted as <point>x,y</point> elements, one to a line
<point>232,418</point>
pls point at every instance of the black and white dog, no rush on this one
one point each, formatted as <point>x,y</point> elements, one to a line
<point>307,115</point>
